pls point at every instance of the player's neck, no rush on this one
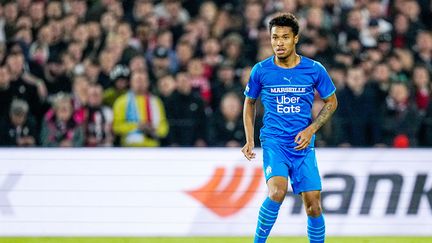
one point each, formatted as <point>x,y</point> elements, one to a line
<point>289,62</point>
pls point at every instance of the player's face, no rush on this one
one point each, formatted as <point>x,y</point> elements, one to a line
<point>283,41</point>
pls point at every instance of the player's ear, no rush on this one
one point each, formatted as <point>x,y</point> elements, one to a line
<point>296,38</point>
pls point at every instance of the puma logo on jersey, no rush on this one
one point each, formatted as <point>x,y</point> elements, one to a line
<point>287,79</point>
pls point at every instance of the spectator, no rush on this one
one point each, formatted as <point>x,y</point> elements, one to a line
<point>69,23</point>
<point>226,126</point>
<point>98,8</point>
<point>39,50</point>
<point>130,44</point>
<point>244,76</point>
<point>23,6</point>
<point>384,44</point>
<point>381,81</point>
<point>119,76</point>
<point>141,9</point>
<point>165,87</point>
<point>108,22</point>
<point>222,23</point>
<point>225,82</point>
<point>59,127</point>
<point>54,75</point>
<point>376,26</point>
<point>107,62</point>
<point>357,114</point>
<point>95,39</point>
<point>18,129</point>
<point>208,11</point>
<point>354,25</point>
<point>138,64</point>
<point>139,116</point>
<point>252,24</point>
<point>324,49</point>
<point>160,63</point>
<point>423,49</point>
<point>10,14</point>
<point>37,14</point>
<point>403,32</point>
<point>145,33</point>
<point>76,51</point>
<point>6,93</point>
<point>211,49</point>
<point>397,63</point>
<point>316,20</point>
<point>338,75</point>
<point>80,97</point>
<point>80,35</point>
<point>170,13</point>
<point>78,8</point>
<point>187,119</point>
<point>195,32</point>
<point>377,11</point>
<point>185,53</point>
<point>25,86</point>
<point>233,48</point>
<point>98,123</point>
<point>200,83</point>
<point>91,68</point>
<point>422,92</point>
<point>401,120</point>
<point>115,7</point>
<point>411,9</point>
<point>54,9</point>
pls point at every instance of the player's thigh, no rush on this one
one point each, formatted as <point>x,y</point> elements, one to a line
<point>274,161</point>
<point>305,175</point>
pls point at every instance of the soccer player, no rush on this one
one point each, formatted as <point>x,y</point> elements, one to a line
<point>286,83</point>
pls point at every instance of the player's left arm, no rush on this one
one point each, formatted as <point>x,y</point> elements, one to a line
<point>303,138</point>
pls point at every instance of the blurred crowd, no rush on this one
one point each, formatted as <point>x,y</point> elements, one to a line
<point>172,72</point>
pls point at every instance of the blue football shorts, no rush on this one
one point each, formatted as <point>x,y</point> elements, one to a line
<point>300,166</point>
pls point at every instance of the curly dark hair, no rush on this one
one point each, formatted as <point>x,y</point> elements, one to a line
<point>285,19</point>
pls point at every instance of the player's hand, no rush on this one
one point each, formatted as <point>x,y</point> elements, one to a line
<point>303,138</point>
<point>248,151</point>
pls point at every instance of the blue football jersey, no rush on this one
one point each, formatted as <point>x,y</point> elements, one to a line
<point>287,95</point>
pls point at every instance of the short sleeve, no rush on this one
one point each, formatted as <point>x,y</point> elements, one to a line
<point>324,84</point>
<point>253,88</point>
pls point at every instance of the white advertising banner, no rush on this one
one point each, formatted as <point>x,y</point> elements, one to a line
<point>205,192</point>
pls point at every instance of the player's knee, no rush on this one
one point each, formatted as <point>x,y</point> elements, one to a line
<point>277,194</point>
<point>314,210</point>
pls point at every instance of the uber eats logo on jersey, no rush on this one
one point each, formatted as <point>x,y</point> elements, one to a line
<point>286,103</point>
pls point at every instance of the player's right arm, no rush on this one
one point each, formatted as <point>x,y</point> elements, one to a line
<point>249,111</point>
<point>252,92</point>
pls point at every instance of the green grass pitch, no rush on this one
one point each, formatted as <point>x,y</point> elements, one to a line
<point>211,240</point>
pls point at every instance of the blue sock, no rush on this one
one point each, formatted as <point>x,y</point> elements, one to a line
<point>316,229</point>
<point>266,219</point>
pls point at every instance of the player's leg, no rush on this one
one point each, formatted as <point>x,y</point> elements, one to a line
<point>307,182</point>
<point>276,174</point>
<point>277,188</point>
<point>316,224</point>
